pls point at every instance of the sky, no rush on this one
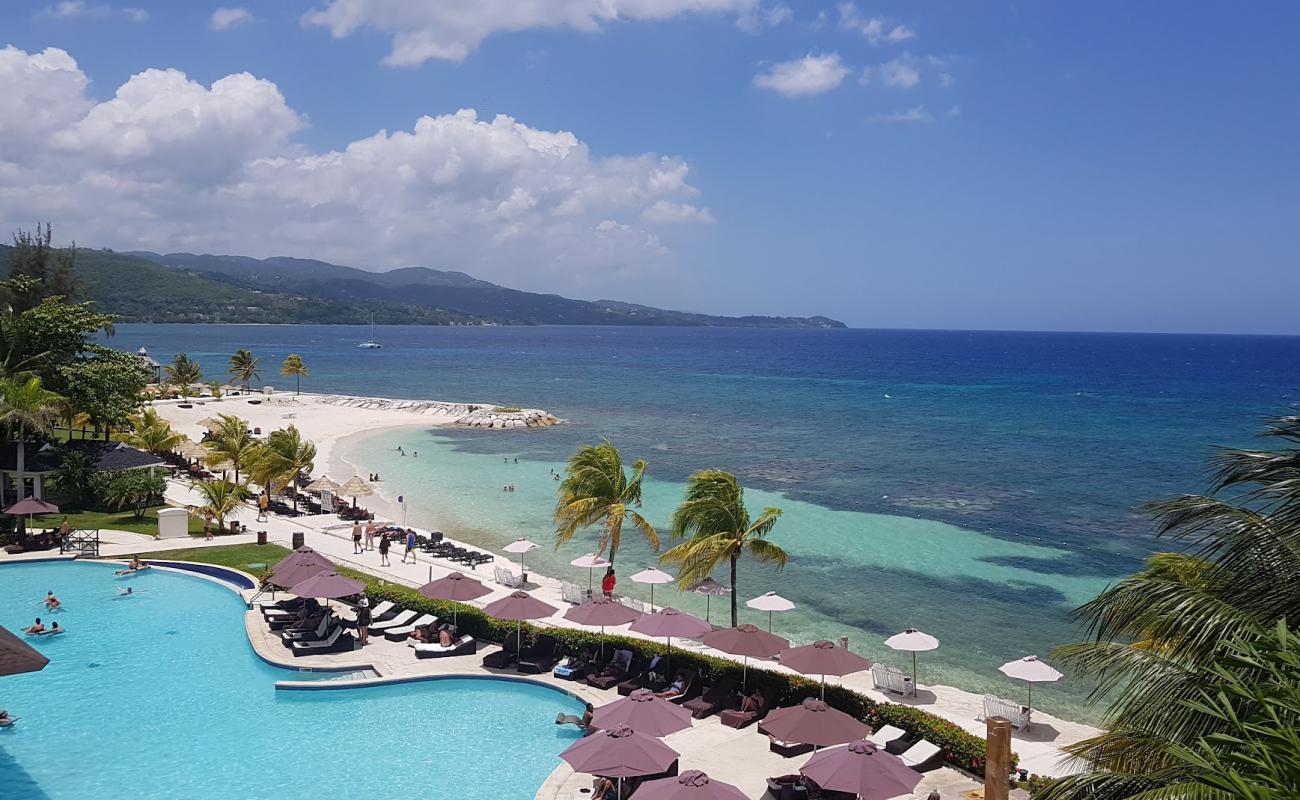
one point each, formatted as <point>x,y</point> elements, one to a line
<point>946,164</point>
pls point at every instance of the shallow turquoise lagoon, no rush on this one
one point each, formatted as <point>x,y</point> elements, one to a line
<point>160,695</point>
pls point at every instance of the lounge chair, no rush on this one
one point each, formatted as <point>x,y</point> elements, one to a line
<point>576,667</point>
<point>889,737</point>
<point>311,634</point>
<point>383,612</point>
<point>649,678</point>
<point>635,605</point>
<point>404,618</point>
<point>571,593</point>
<point>539,656</point>
<point>787,787</point>
<point>891,679</point>
<point>717,697</point>
<point>1017,714</point>
<point>402,632</point>
<point>919,754</point>
<point>788,749</point>
<point>505,656</point>
<point>690,690</point>
<point>735,718</point>
<point>337,642</point>
<point>463,646</point>
<point>507,578</point>
<point>614,672</point>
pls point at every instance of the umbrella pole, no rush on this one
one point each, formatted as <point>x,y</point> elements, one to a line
<point>668,659</point>
<point>744,674</point>
<point>823,686</point>
<point>707,600</point>
<point>1031,695</point>
<point>914,673</point>
<point>589,574</point>
<point>652,598</point>
<point>602,644</point>
<point>769,622</point>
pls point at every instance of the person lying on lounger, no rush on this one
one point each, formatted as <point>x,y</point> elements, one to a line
<point>35,629</point>
<point>54,629</point>
<point>5,719</point>
<point>444,637</point>
<point>134,565</point>
<point>753,702</point>
<point>676,687</point>
<point>605,790</point>
<point>583,722</point>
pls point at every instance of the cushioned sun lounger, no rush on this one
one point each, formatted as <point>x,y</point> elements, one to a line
<point>735,718</point>
<point>615,672</point>
<point>919,754</point>
<point>886,735</point>
<point>319,632</point>
<point>404,618</point>
<point>690,689</point>
<point>504,657</point>
<point>642,679</point>
<point>337,642</point>
<point>715,698</point>
<point>538,657</point>
<point>401,632</point>
<point>463,646</point>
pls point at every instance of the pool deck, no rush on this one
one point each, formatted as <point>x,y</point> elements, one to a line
<point>1039,748</point>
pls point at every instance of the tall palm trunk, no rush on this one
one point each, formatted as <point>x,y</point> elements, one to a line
<point>734,558</point>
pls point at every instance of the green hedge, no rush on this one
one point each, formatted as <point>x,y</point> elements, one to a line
<point>960,748</point>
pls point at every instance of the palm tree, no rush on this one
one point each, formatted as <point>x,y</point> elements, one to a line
<point>715,519</point>
<point>153,434</point>
<point>1156,633</point>
<point>243,368</point>
<point>231,445</point>
<point>294,368</point>
<point>285,456</point>
<point>596,489</point>
<point>183,373</point>
<point>214,386</point>
<point>26,407</point>
<point>70,417</point>
<point>221,499</point>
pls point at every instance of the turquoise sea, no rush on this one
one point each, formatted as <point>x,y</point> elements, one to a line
<point>977,485</point>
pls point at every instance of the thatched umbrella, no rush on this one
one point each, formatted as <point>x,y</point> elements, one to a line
<point>354,488</point>
<point>322,484</point>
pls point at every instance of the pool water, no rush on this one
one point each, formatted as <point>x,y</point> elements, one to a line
<point>160,695</point>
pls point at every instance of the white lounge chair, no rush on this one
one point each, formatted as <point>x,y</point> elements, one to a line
<point>380,610</point>
<point>507,578</point>
<point>891,679</point>
<point>885,735</point>
<point>398,621</point>
<point>308,636</point>
<point>400,632</point>
<point>635,605</point>
<point>919,754</point>
<point>570,593</point>
<point>1017,714</point>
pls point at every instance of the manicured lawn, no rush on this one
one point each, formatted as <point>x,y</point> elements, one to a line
<point>117,520</point>
<point>238,556</point>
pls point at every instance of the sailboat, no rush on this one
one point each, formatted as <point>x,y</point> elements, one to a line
<point>371,344</point>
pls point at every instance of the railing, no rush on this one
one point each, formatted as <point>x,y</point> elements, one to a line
<point>81,542</point>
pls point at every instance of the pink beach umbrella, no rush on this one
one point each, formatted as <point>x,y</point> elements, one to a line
<point>669,623</point>
<point>29,506</point>
<point>328,586</point>
<point>17,657</point>
<point>652,577</point>
<point>815,723</point>
<point>590,562</point>
<point>1030,670</point>
<point>690,785</point>
<point>456,587</point>
<point>710,589</point>
<point>912,640</point>
<point>601,612</point>
<point>643,711</point>
<point>823,658</point>
<point>863,769</point>
<point>769,602</point>
<point>519,606</point>
<point>300,569</point>
<point>745,640</point>
<point>619,753</point>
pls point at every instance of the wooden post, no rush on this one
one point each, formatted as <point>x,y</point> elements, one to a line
<point>997,762</point>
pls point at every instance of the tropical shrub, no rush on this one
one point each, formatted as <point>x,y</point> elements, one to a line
<point>135,489</point>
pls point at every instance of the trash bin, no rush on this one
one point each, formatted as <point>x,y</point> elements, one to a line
<point>261,537</point>
<point>297,539</point>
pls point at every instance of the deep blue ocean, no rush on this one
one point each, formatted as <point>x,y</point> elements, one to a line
<point>977,485</point>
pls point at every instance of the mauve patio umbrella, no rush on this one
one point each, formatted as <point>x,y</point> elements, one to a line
<point>710,589</point>
<point>643,711</point>
<point>602,611</point>
<point>17,656</point>
<point>328,586</point>
<point>823,658</point>
<point>862,769</point>
<point>1030,670</point>
<point>308,565</point>
<point>457,587</point>
<point>519,606</point>
<point>28,506</point>
<point>619,753</point>
<point>690,785</point>
<point>815,723</point>
<point>745,640</point>
<point>669,623</point>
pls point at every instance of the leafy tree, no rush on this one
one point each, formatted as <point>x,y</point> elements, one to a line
<point>63,332</point>
<point>221,499</point>
<point>232,446</point>
<point>714,518</point>
<point>17,355</point>
<point>26,406</point>
<point>75,477</point>
<point>244,369</point>
<point>38,270</point>
<point>153,434</point>
<point>182,373</point>
<point>105,387</point>
<point>285,456</point>
<point>135,489</point>
<point>1157,633</point>
<point>597,489</point>
<point>294,368</point>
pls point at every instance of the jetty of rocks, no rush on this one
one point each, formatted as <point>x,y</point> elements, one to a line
<point>469,415</point>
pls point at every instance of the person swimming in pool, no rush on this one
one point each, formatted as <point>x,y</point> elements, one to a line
<point>5,719</point>
<point>52,602</point>
<point>35,629</point>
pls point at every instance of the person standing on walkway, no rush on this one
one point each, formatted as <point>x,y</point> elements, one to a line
<point>383,550</point>
<point>370,535</point>
<point>363,621</point>
<point>356,537</point>
<point>263,500</point>
<point>410,545</point>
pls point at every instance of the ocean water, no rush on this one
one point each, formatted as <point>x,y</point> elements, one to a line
<point>159,695</point>
<point>975,485</point>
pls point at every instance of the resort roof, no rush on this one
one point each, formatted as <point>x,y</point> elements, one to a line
<point>102,456</point>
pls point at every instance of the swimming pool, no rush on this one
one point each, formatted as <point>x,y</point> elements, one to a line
<point>160,695</point>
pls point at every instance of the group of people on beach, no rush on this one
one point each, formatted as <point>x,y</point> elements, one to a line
<point>371,537</point>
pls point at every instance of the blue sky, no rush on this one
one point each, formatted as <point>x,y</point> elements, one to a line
<point>1103,166</point>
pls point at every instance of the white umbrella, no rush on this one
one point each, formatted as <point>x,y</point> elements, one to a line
<point>590,562</point>
<point>769,602</point>
<point>912,640</point>
<point>1030,670</point>
<point>652,576</point>
<point>521,546</point>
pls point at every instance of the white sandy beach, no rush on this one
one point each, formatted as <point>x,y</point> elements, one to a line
<point>324,420</point>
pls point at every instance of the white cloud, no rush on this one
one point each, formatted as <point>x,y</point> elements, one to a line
<point>79,9</point>
<point>223,19</point>
<point>899,73</point>
<point>170,164</point>
<point>756,19</point>
<point>876,30</point>
<point>437,29</point>
<point>804,76</point>
<point>913,114</point>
